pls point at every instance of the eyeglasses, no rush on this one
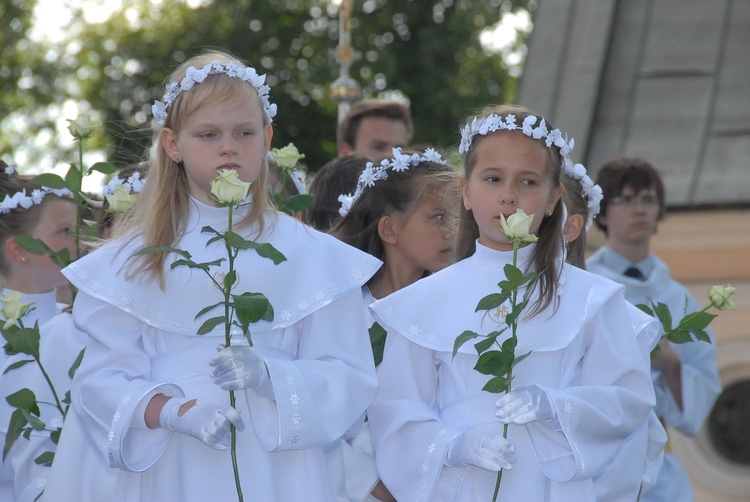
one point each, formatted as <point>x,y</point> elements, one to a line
<point>632,200</point>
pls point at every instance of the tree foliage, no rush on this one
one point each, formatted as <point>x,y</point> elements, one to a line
<point>428,51</point>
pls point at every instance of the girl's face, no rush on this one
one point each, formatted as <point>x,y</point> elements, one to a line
<point>216,137</point>
<point>56,228</point>
<point>510,172</point>
<point>424,238</point>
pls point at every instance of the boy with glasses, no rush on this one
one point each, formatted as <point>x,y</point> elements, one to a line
<point>685,376</point>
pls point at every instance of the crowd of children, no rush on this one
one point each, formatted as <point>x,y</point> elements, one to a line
<point>348,383</point>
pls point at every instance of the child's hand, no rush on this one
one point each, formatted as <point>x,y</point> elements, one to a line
<point>527,404</point>
<point>238,367</point>
<point>483,446</point>
<point>210,421</point>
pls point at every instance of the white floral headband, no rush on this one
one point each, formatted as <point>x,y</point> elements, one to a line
<point>20,199</point>
<point>134,184</point>
<point>591,193</point>
<point>194,76</point>
<point>493,122</point>
<point>372,173</point>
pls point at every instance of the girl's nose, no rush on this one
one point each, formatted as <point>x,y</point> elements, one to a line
<point>228,147</point>
<point>507,196</point>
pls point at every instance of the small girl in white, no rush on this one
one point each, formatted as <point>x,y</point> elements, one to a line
<point>581,391</point>
<point>151,415</point>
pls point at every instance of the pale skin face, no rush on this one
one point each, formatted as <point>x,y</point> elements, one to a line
<point>218,137</point>
<point>419,242</point>
<point>377,137</point>
<point>630,227</point>
<point>31,273</point>
<point>510,172</point>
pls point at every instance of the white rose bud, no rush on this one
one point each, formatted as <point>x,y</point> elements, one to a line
<point>227,188</point>
<point>12,308</point>
<point>81,128</point>
<point>517,226</point>
<point>120,201</point>
<point>286,157</point>
<point>722,297</point>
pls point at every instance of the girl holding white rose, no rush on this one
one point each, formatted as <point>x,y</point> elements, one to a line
<point>577,395</point>
<point>151,417</point>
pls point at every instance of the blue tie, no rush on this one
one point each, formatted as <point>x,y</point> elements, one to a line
<point>635,273</point>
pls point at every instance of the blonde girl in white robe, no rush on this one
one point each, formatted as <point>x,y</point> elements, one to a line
<point>151,417</point>
<point>580,393</point>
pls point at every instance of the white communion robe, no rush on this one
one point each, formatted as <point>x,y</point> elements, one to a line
<point>12,380</point>
<point>583,352</point>
<point>701,384</point>
<point>143,341</point>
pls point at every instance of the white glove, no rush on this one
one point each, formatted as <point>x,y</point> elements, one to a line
<point>208,420</point>
<point>238,367</point>
<point>527,404</point>
<point>483,446</point>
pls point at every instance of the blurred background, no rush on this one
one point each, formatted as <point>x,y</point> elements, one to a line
<point>667,80</point>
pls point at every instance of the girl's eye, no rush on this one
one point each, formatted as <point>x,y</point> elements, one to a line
<point>246,134</point>
<point>439,216</point>
<point>207,135</point>
<point>529,182</point>
<point>492,179</point>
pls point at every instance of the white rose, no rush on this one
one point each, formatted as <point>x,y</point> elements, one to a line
<point>81,128</point>
<point>120,200</point>
<point>286,157</point>
<point>12,308</point>
<point>722,297</point>
<point>228,188</point>
<point>517,226</point>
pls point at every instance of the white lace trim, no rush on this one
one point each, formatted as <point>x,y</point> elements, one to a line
<point>296,416</point>
<point>427,463</point>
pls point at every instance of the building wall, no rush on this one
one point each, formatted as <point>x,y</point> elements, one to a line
<point>667,80</point>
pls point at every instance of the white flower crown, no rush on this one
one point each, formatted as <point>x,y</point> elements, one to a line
<point>372,173</point>
<point>591,193</point>
<point>10,170</point>
<point>493,122</point>
<point>134,184</point>
<point>194,76</point>
<point>20,199</point>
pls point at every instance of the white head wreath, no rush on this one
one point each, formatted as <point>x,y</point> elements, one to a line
<point>134,184</point>
<point>372,173</point>
<point>23,200</point>
<point>592,194</point>
<point>194,76</point>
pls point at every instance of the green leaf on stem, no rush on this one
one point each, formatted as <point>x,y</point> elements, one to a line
<point>45,459</point>
<point>265,249</point>
<point>664,315</point>
<point>696,321</point>
<point>496,385</point>
<point>513,275</point>
<point>520,358</point>
<point>17,364</point>
<point>76,363</point>
<point>102,167</point>
<point>229,279</point>
<point>49,180</point>
<point>74,179</point>
<point>377,342</point>
<point>645,308</point>
<point>679,336</point>
<point>23,398</point>
<point>485,344</point>
<point>210,324</point>
<point>251,308</point>
<point>494,362</point>
<point>161,249</point>
<point>32,244</point>
<point>208,309</point>
<point>55,435</point>
<point>210,230</point>
<point>23,340</point>
<point>296,203</point>
<point>462,339</point>
<point>491,301</point>
<point>16,426</point>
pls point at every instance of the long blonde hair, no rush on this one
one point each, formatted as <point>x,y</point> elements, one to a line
<point>160,215</point>
<point>547,254</point>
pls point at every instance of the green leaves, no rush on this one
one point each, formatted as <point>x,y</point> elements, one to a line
<point>691,328</point>
<point>24,419</point>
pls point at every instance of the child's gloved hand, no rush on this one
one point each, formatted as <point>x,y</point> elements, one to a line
<point>210,421</point>
<point>483,446</point>
<point>527,404</point>
<point>238,367</point>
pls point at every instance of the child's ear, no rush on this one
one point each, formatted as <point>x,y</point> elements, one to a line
<point>573,227</point>
<point>168,140</point>
<point>14,252</point>
<point>387,229</point>
<point>269,136</point>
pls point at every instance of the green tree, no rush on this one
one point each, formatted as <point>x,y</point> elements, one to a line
<point>428,51</point>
